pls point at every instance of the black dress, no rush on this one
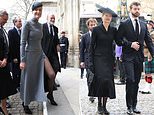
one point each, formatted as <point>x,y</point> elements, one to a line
<point>6,84</point>
<point>102,62</point>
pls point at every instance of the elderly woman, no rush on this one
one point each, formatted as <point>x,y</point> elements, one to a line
<point>6,83</point>
<point>102,60</point>
<point>33,61</point>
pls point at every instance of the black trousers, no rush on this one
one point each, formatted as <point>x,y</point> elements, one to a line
<point>16,73</point>
<point>63,58</point>
<point>133,71</point>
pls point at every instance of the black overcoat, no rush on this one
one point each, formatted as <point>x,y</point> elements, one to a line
<point>49,45</point>
<point>6,84</point>
<point>101,59</point>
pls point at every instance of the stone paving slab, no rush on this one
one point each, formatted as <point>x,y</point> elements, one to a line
<point>116,106</point>
<point>17,109</point>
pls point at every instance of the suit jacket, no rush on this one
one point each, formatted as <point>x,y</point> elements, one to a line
<point>126,35</point>
<point>14,44</point>
<point>49,45</point>
<point>3,45</point>
<point>64,44</point>
<point>84,47</point>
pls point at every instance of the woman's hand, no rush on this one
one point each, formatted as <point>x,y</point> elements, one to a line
<point>22,65</point>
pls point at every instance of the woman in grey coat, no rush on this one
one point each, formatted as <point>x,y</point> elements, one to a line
<point>33,61</point>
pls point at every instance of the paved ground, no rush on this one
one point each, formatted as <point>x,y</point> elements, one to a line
<point>72,98</point>
<point>17,109</point>
<point>116,106</point>
<point>67,96</point>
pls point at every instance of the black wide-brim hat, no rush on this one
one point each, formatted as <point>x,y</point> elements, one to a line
<point>107,10</point>
<point>36,5</point>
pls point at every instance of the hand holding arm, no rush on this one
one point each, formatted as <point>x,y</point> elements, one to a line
<point>135,45</point>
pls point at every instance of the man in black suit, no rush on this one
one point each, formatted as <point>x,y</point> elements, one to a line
<point>84,47</point>
<point>14,46</point>
<point>50,45</point>
<point>131,35</point>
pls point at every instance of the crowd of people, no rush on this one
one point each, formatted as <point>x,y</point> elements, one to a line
<point>29,60</point>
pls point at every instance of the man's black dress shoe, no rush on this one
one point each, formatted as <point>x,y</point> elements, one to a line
<point>52,101</point>
<point>129,111</point>
<point>136,111</point>
<point>26,109</point>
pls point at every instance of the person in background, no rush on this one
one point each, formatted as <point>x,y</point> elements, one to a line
<point>64,45</point>
<point>81,68</point>
<point>14,40</point>
<point>149,62</point>
<point>84,47</point>
<point>33,61</point>
<point>101,60</point>
<point>118,55</point>
<point>50,45</point>
<point>6,84</point>
<point>132,33</point>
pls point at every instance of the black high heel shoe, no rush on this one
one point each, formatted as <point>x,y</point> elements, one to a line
<point>26,109</point>
<point>1,110</point>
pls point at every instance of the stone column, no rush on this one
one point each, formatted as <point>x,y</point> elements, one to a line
<point>69,22</point>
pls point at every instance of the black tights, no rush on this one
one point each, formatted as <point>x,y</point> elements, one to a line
<point>51,74</point>
<point>100,101</point>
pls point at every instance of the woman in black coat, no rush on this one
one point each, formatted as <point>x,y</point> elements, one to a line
<point>6,83</point>
<point>102,60</point>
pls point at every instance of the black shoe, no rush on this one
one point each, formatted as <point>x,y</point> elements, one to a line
<point>26,109</point>
<point>100,110</point>
<point>144,92</point>
<point>52,101</point>
<point>92,99</point>
<point>105,111</point>
<point>57,85</point>
<point>136,111</point>
<point>130,111</point>
<point>8,105</point>
<point>2,111</point>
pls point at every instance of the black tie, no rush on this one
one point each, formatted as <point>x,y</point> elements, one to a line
<point>19,32</point>
<point>136,27</point>
<point>51,31</point>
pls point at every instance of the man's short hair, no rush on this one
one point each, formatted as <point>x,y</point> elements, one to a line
<point>134,4</point>
<point>3,12</point>
<point>91,20</point>
<point>15,19</point>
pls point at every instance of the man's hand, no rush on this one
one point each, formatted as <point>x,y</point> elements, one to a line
<point>82,64</point>
<point>135,45</point>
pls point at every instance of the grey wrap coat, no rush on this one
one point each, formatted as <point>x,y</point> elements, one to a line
<point>32,77</point>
